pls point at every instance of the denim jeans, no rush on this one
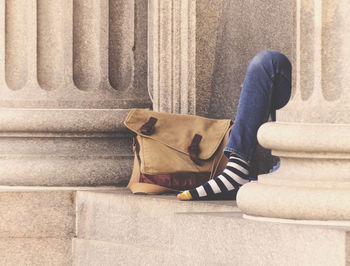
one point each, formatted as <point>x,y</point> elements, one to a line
<point>266,88</point>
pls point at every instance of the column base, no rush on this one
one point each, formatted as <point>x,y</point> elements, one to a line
<point>341,224</point>
<point>313,182</point>
<point>292,202</point>
<point>64,147</point>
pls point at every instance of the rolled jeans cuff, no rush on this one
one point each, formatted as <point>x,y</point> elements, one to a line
<point>228,151</point>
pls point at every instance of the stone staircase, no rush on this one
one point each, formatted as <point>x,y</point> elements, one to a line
<point>110,226</point>
<point>37,224</point>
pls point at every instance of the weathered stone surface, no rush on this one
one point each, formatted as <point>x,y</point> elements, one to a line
<point>208,22</point>
<point>164,231</point>
<point>226,239</point>
<point>245,28</point>
<point>37,224</point>
<point>69,171</point>
<point>321,45</point>
<point>73,121</point>
<point>134,219</point>
<point>36,251</point>
<point>172,53</point>
<point>73,55</point>
<point>93,252</point>
<point>39,212</point>
<point>64,147</point>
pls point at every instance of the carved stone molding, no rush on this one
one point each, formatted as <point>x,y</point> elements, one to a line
<point>69,54</point>
<point>172,55</point>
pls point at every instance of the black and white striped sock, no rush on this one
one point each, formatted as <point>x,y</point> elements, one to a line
<point>224,186</point>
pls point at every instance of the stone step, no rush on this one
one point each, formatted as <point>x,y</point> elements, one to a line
<point>32,251</point>
<point>223,238</point>
<point>135,219</point>
<point>160,230</point>
<point>37,224</point>
<point>96,252</point>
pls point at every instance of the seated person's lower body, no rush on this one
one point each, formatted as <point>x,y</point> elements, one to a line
<point>266,88</point>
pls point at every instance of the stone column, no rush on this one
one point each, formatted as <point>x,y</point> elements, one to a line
<point>69,72</point>
<point>172,52</point>
<point>312,133</point>
<point>182,48</point>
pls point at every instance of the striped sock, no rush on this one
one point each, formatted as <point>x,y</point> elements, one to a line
<point>224,186</point>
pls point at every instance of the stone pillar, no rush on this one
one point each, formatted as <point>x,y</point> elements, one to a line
<point>172,54</point>
<point>69,72</point>
<point>312,133</point>
<point>182,49</point>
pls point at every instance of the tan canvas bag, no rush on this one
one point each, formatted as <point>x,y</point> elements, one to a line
<point>174,152</point>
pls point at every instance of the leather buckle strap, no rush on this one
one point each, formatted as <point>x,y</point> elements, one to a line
<point>194,150</point>
<point>148,127</point>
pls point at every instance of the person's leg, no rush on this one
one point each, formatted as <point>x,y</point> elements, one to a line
<point>266,87</point>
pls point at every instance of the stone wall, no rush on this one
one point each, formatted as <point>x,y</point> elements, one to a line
<point>229,34</point>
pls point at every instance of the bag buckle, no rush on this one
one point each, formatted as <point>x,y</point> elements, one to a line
<point>148,127</point>
<point>194,149</point>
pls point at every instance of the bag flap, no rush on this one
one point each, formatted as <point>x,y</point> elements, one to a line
<point>177,130</point>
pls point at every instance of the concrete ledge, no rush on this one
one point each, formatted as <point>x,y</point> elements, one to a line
<point>37,224</point>
<point>195,233</point>
<point>135,219</point>
<point>227,239</point>
<point>38,212</point>
<point>35,251</point>
<point>93,252</point>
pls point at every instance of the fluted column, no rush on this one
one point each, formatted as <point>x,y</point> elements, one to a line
<point>69,72</point>
<point>69,54</point>
<point>172,52</point>
<point>312,133</point>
